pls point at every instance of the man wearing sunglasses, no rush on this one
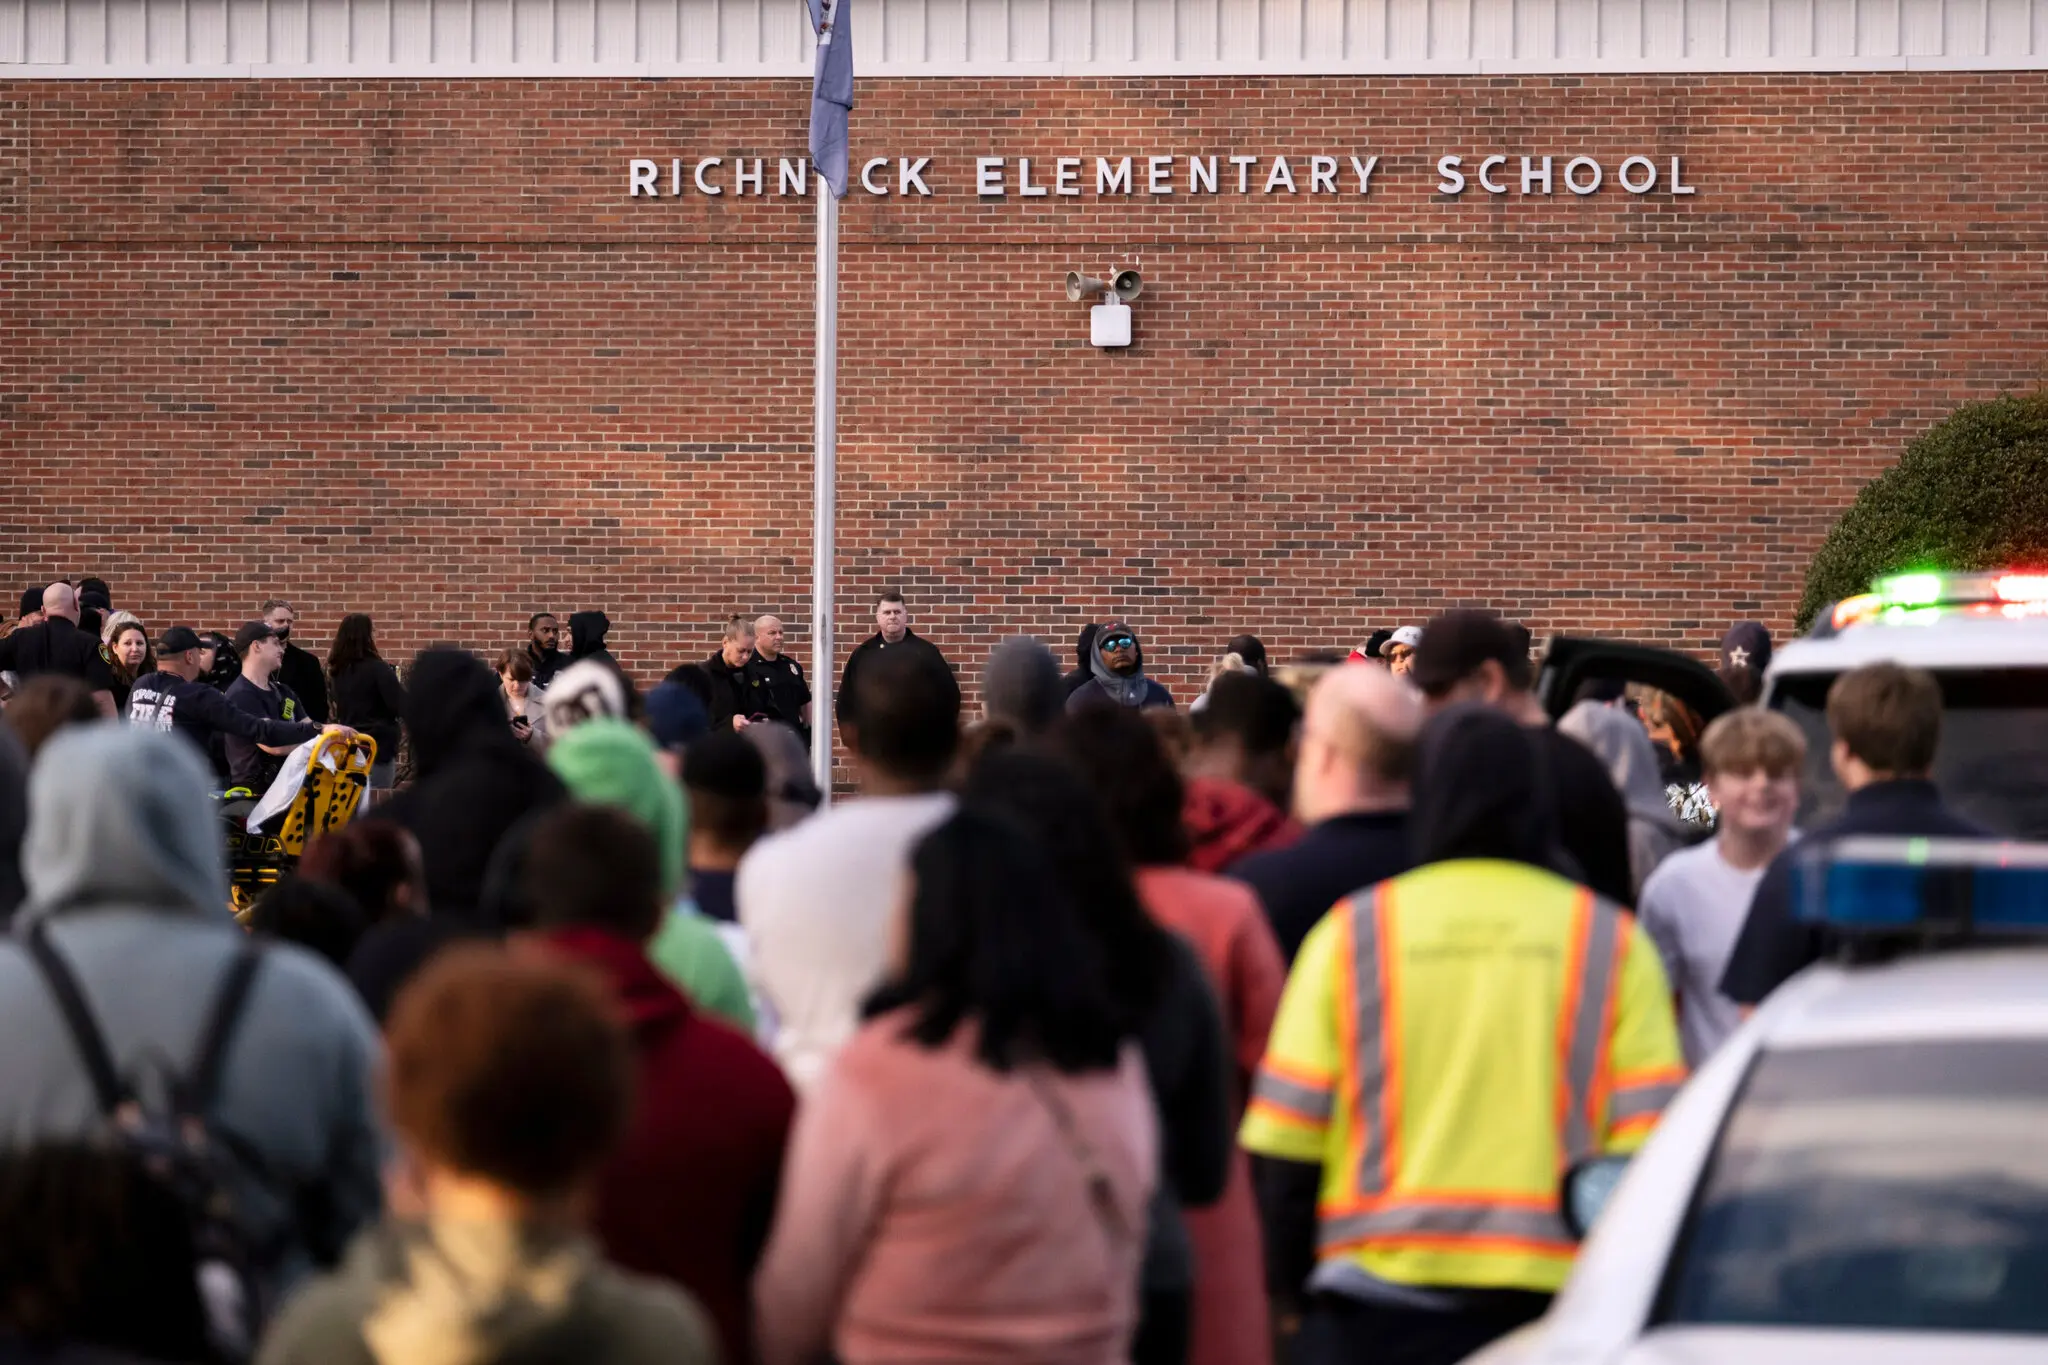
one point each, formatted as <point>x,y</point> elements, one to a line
<point>1119,677</point>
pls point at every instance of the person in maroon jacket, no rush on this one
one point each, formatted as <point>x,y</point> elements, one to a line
<point>691,1194</point>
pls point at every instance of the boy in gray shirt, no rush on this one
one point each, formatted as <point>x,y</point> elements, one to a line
<point>1694,904</point>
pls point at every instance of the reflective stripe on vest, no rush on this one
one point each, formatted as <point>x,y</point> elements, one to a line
<point>1425,1219</point>
<point>1370,1009</point>
<point>1307,1102</point>
<point>1587,1022</point>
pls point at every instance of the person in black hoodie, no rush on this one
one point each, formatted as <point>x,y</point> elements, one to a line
<point>473,779</point>
<point>302,670</point>
<point>586,638</point>
<point>1084,659</point>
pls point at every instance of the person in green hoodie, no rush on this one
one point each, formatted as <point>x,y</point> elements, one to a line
<point>607,762</point>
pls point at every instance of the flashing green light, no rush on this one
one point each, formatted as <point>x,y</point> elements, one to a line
<point>1911,589</point>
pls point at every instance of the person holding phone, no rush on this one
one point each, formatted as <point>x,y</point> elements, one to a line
<point>522,704</point>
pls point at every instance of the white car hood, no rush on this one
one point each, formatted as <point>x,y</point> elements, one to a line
<point>1811,1346</point>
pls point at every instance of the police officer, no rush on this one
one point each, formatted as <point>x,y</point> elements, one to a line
<point>782,679</point>
<point>173,698</point>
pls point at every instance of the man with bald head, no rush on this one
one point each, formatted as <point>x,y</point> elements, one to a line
<point>782,678</point>
<point>57,645</point>
<point>1351,790</point>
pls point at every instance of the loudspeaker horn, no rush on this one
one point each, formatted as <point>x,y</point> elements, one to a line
<point>1127,285</point>
<point>1080,286</point>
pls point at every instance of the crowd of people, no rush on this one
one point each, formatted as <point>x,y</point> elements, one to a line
<point>1090,1029</point>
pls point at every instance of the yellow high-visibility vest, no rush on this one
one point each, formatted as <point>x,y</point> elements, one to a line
<point>1449,1042</point>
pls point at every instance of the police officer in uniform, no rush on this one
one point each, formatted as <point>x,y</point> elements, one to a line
<point>782,680</point>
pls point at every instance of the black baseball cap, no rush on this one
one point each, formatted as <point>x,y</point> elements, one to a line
<point>1456,643</point>
<point>1746,645</point>
<point>177,640</point>
<point>31,601</point>
<point>250,633</point>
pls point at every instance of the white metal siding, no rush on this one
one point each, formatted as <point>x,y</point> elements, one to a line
<point>162,38</point>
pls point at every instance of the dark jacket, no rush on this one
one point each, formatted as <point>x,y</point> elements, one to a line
<point>304,674</point>
<point>57,646</point>
<point>785,691</point>
<point>587,630</point>
<point>1084,651</point>
<point>1773,947</point>
<point>732,690</point>
<point>1346,853</point>
<point>369,697</point>
<point>1592,819</point>
<point>1188,1061</point>
<point>473,778</point>
<point>13,818</point>
<point>867,649</point>
<point>165,701</point>
<point>546,663</point>
<point>690,1194</point>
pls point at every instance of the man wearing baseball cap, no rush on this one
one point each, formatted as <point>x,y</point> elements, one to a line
<point>1399,650</point>
<point>259,692</point>
<point>173,698</point>
<point>1467,655</point>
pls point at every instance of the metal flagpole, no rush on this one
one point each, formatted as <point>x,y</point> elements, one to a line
<point>824,492</point>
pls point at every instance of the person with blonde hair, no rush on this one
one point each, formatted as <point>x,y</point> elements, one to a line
<point>1694,904</point>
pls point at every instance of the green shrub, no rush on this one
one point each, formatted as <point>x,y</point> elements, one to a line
<point>1970,493</point>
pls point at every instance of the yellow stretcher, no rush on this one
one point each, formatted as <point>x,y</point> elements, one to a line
<point>330,791</point>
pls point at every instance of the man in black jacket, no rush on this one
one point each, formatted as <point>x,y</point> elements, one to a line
<point>543,636</point>
<point>1471,655</point>
<point>302,672</point>
<point>173,698</point>
<point>892,632</point>
<point>1886,721</point>
<point>57,645</point>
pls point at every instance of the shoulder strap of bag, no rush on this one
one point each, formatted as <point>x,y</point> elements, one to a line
<point>78,1020</point>
<point>201,1085</point>
<point>1101,1190</point>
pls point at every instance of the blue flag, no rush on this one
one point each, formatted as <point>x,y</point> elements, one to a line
<point>831,91</point>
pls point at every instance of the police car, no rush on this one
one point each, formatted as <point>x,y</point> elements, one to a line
<point>1984,637</point>
<point>1861,1173</point>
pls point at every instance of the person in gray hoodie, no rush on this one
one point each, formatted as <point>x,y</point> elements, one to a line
<point>126,883</point>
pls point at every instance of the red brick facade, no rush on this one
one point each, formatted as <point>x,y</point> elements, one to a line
<point>409,348</point>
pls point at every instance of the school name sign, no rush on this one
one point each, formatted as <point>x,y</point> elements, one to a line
<point>1027,177</point>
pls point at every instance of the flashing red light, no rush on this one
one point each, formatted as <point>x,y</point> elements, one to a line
<point>2023,587</point>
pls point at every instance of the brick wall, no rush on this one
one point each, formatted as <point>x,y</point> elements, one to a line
<point>408,347</point>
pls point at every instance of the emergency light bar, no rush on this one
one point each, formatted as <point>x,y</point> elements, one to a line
<point>1903,597</point>
<point>1931,888</point>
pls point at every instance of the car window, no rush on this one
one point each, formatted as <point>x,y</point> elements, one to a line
<point>1902,1186</point>
<point>1992,765</point>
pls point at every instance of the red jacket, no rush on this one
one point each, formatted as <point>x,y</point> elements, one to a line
<point>690,1195</point>
<point>1228,820</point>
